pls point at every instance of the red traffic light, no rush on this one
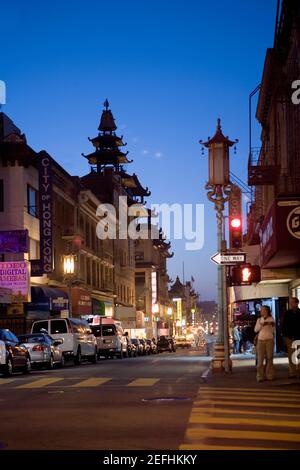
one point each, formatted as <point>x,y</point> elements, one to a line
<point>235,232</point>
<point>236,223</point>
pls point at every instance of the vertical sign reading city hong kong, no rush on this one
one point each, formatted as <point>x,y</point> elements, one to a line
<point>45,203</point>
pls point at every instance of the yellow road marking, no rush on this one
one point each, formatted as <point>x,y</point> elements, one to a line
<point>233,393</point>
<point>251,404</point>
<point>92,382</point>
<point>146,382</point>
<point>241,412</point>
<point>6,381</point>
<point>244,399</point>
<point>253,390</point>
<point>202,418</point>
<point>219,447</point>
<point>202,433</point>
<point>41,383</point>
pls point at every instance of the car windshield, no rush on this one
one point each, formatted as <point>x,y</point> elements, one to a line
<point>32,339</point>
<point>108,330</point>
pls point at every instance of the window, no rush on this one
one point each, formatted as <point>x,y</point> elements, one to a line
<point>32,201</point>
<point>58,327</point>
<point>34,249</point>
<point>1,196</point>
<point>39,326</point>
<point>108,330</point>
<point>11,337</point>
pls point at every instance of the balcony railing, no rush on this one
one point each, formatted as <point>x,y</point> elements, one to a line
<point>262,169</point>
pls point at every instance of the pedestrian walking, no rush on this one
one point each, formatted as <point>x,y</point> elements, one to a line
<point>291,333</point>
<point>236,336</point>
<point>265,327</point>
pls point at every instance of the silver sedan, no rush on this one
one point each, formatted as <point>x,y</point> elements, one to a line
<point>43,350</point>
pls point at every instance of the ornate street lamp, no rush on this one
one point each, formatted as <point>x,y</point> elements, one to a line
<point>69,271</point>
<point>219,189</point>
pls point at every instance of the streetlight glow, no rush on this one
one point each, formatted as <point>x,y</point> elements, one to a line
<point>69,264</point>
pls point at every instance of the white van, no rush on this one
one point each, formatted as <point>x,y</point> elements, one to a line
<point>78,339</point>
<point>110,339</point>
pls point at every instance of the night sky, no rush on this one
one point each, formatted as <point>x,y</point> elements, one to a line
<point>168,69</point>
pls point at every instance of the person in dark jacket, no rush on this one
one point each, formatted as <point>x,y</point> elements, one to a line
<point>291,333</point>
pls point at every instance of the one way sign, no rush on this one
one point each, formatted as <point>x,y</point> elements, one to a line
<point>228,259</point>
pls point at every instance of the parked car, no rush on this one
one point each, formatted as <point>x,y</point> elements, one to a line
<point>43,350</point>
<point>183,342</point>
<point>152,345</point>
<point>172,343</point>
<point>78,339</point>
<point>138,345</point>
<point>13,355</point>
<point>163,344</point>
<point>146,347</point>
<point>110,338</point>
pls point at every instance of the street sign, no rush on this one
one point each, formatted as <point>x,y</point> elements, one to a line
<point>228,259</point>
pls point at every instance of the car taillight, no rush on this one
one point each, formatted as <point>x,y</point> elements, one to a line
<point>38,347</point>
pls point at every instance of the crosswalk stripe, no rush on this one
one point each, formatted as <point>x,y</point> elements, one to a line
<point>248,394</point>
<point>241,412</point>
<point>6,381</point>
<point>92,382</point>
<point>249,390</point>
<point>224,447</point>
<point>251,404</point>
<point>41,383</point>
<point>244,398</point>
<point>202,418</point>
<point>145,382</point>
<point>202,433</point>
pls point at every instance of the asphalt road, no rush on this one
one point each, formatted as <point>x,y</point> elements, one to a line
<point>140,403</point>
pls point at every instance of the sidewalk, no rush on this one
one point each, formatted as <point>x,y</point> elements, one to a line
<point>244,374</point>
<point>232,411</point>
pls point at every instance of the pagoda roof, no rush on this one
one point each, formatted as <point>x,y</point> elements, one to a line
<point>177,287</point>
<point>107,157</point>
<point>107,141</point>
<point>218,138</point>
<point>107,121</point>
<point>132,183</point>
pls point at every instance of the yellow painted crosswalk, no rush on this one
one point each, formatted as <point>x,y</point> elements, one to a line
<point>146,382</point>
<point>244,419</point>
<point>71,382</point>
<point>40,383</point>
<point>92,382</point>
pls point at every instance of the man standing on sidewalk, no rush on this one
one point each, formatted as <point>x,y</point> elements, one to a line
<point>291,332</point>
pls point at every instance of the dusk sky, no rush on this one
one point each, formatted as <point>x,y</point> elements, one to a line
<point>168,69</point>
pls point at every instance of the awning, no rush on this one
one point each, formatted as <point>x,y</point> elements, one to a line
<point>44,298</point>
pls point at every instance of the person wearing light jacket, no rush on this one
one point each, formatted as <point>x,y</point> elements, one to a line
<point>265,327</point>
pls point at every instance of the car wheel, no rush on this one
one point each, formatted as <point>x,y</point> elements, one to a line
<point>27,368</point>
<point>50,364</point>
<point>93,358</point>
<point>77,359</point>
<point>9,367</point>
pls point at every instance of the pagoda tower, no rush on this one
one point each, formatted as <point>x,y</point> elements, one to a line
<point>107,145</point>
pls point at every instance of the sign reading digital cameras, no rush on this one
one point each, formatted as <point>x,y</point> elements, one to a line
<point>15,275</point>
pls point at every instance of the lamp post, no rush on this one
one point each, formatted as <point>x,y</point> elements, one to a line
<point>219,190</point>
<point>170,314</point>
<point>69,271</point>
